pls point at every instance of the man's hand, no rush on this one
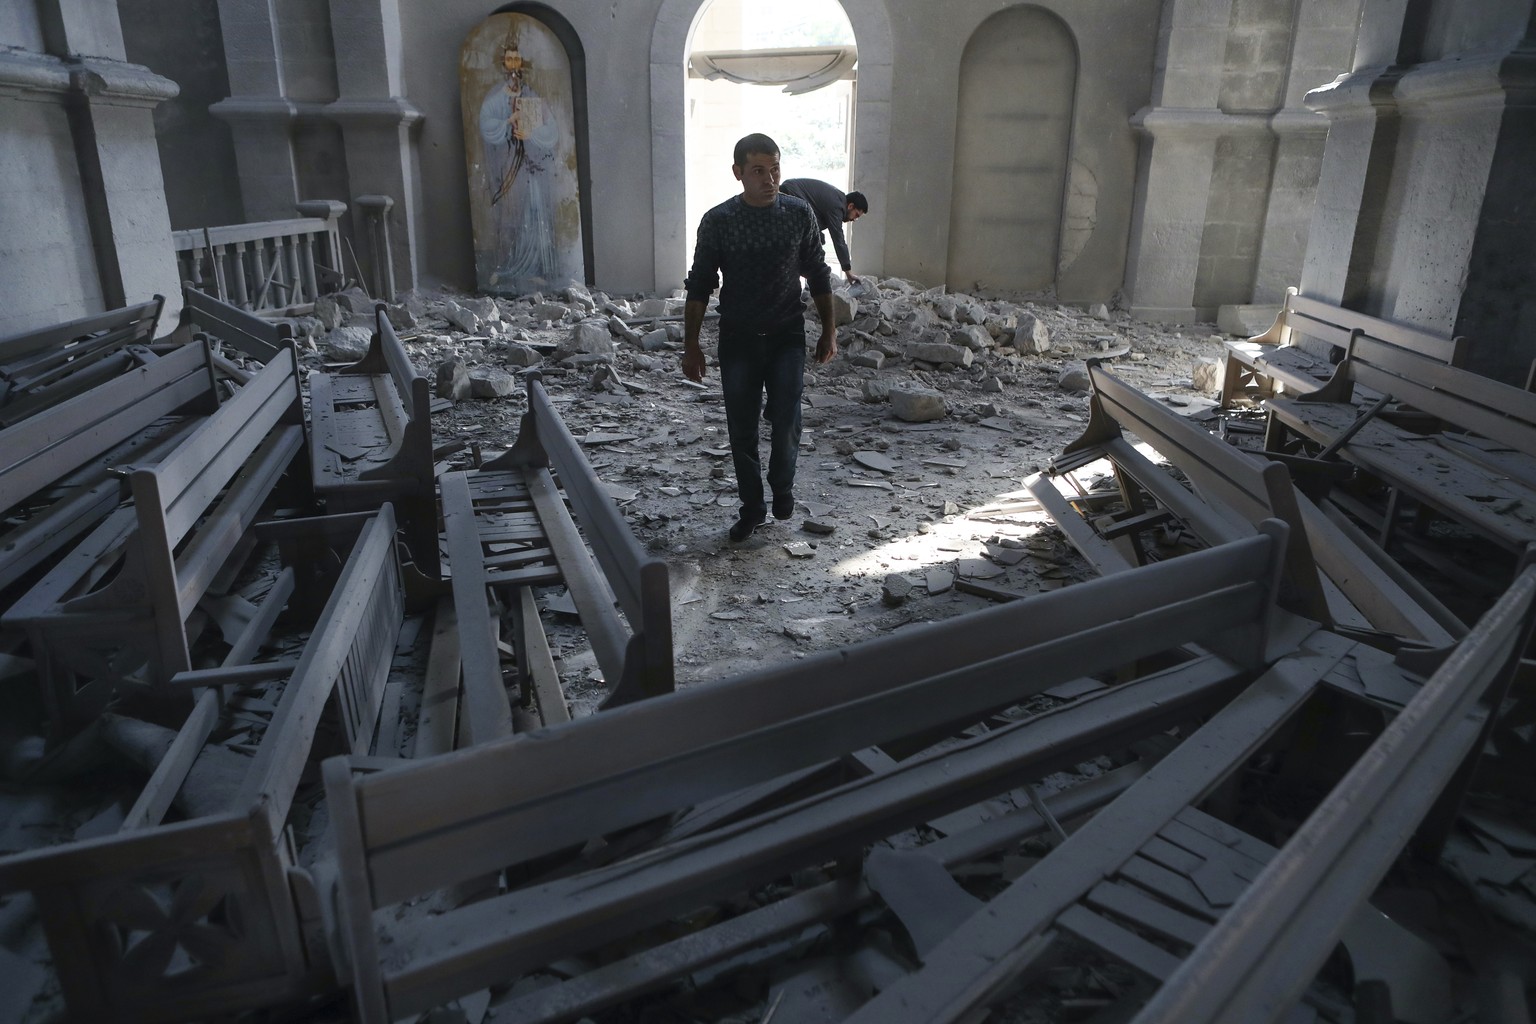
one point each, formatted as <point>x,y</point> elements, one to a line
<point>693,363</point>
<point>826,345</point>
<point>851,276</point>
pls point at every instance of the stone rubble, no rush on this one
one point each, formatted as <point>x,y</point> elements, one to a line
<point>936,408</point>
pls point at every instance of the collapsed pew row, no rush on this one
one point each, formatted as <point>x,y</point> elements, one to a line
<point>159,525</point>
<point>572,856</point>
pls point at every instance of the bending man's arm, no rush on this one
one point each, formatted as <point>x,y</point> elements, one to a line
<point>693,321</point>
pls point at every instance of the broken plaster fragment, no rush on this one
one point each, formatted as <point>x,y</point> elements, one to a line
<point>799,549</point>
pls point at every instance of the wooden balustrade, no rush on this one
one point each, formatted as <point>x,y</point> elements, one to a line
<point>274,264</point>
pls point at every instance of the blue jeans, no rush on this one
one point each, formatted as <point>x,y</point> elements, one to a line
<point>754,364</point>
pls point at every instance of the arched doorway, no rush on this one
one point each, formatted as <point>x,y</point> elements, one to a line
<point>788,71</point>
<point>1018,79</point>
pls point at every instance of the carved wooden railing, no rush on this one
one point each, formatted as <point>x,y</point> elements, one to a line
<point>274,264</point>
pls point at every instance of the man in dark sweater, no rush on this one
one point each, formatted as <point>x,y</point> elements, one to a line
<point>833,209</point>
<point>763,243</point>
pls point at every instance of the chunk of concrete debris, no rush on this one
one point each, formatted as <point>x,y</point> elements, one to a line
<point>1099,311</point>
<point>653,341</point>
<point>620,329</point>
<point>895,590</point>
<point>401,318</point>
<point>554,312</point>
<point>652,307</point>
<point>938,580</point>
<point>329,312</point>
<point>799,549</point>
<point>821,527</point>
<point>483,306</point>
<point>1207,374</point>
<point>452,380</point>
<point>1032,335</point>
<point>917,404</point>
<point>461,316</point>
<point>940,352</point>
<point>590,337</point>
<point>522,355</point>
<point>973,337</point>
<point>876,390</point>
<point>355,301</point>
<point>1074,379</point>
<point>347,344</point>
<point>875,461</point>
<point>872,359</point>
<point>491,382</point>
<point>844,307</point>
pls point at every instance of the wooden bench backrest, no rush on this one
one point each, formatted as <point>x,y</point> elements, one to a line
<point>1254,489</point>
<point>117,327</point>
<point>639,581</point>
<point>1334,325</point>
<point>349,654</point>
<point>459,815</point>
<point>253,436</point>
<point>44,447</point>
<point>1464,399</point>
<point>258,338</point>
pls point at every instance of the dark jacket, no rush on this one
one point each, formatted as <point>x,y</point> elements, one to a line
<point>831,208</point>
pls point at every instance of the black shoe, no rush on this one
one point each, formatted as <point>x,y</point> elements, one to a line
<point>783,506</point>
<point>745,525</point>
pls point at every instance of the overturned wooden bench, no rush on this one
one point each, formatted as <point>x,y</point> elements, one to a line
<point>509,530</point>
<point>43,367</point>
<point>196,918</point>
<point>1334,574</point>
<point>1478,467</point>
<point>410,831</point>
<point>371,440</point>
<point>55,480</point>
<point>114,612</point>
<point>1254,963</point>
<point>1307,339</point>
<point>229,327</point>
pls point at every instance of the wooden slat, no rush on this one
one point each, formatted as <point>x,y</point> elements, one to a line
<point>486,708</point>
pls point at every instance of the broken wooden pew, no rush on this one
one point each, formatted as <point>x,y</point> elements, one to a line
<point>1478,468</point>
<point>427,826</point>
<point>228,328</point>
<point>197,918</point>
<point>1333,574</point>
<point>1256,961</point>
<point>43,367</point>
<point>371,440</point>
<point>509,529</point>
<point>1308,337</point>
<point>56,462</point>
<point>114,611</point>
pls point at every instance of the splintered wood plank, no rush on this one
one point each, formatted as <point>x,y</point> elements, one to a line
<point>440,689</point>
<point>1136,906</point>
<point>540,664</point>
<point>1126,946</point>
<point>486,710</point>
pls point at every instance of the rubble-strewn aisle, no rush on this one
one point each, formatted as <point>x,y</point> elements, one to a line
<point>934,410</point>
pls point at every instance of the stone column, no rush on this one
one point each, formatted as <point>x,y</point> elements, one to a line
<point>259,115</point>
<point>1181,130</point>
<point>376,123</point>
<point>1463,247</point>
<point>1322,48</point>
<point>108,105</point>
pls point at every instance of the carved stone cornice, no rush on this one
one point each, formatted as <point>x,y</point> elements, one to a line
<point>384,112</point>
<point>40,76</point>
<point>1192,124</point>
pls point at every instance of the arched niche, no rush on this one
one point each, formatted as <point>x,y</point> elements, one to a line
<point>1013,142</point>
<point>523,95</point>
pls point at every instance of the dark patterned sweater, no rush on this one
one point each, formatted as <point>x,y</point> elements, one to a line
<point>763,252</point>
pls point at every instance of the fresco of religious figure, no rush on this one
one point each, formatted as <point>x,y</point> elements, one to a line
<point>522,157</point>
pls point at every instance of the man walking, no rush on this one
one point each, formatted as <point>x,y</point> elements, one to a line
<point>833,209</point>
<point>763,244</point>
